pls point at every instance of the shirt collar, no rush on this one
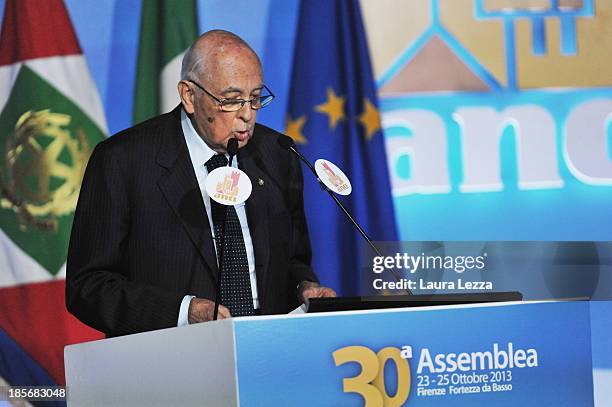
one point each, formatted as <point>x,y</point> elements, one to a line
<point>199,151</point>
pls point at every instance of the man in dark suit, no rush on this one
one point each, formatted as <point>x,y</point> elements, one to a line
<point>142,253</point>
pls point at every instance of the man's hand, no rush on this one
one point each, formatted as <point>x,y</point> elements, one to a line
<point>308,289</point>
<point>202,310</point>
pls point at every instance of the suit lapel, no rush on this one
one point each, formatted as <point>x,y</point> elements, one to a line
<point>257,213</point>
<point>180,188</point>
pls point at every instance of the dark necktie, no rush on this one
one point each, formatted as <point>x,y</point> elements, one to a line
<point>235,282</point>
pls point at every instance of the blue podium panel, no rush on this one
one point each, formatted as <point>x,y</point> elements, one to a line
<point>529,354</point>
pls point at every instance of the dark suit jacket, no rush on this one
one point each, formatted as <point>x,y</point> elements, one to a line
<point>141,239</point>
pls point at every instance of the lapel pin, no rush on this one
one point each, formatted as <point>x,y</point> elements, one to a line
<point>260,182</point>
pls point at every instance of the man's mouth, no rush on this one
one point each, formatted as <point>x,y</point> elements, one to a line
<point>242,135</point>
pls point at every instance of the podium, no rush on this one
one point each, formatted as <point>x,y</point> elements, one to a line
<point>506,354</point>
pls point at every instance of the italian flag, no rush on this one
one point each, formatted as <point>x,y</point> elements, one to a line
<point>167,29</point>
<point>50,120</point>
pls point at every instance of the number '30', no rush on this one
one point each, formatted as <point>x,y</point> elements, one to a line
<point>370,382</point>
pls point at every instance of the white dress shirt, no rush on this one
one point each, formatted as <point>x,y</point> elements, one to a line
<point>200,153</point>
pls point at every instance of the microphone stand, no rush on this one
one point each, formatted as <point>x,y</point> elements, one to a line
<point>290,147</point>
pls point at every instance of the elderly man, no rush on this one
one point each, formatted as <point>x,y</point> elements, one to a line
<point>142,254</point>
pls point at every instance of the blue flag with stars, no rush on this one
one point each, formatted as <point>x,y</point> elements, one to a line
<point>333,114</point>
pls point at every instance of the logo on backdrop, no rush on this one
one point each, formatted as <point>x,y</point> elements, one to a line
<point>457,111</point>
<point>438,375</point>
<point>43,169</point>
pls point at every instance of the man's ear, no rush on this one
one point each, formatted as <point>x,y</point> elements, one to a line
<point>187,96</point>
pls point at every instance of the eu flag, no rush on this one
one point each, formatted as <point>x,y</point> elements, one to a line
<point>333,114</point>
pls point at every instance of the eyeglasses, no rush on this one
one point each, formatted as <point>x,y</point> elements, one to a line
<point>233,105</point>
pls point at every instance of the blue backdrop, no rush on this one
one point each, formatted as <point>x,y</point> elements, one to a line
<point>109,30</point>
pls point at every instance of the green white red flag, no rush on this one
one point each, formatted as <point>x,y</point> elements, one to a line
<point>50,120</point>
<point>167,29</point>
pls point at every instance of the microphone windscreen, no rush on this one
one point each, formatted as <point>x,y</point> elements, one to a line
<point>285,141</point>
<point>232,146</point>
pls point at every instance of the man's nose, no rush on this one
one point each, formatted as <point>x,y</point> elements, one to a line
<point>246,112</point>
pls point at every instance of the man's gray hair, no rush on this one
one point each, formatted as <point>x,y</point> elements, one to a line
<point>193,60</point>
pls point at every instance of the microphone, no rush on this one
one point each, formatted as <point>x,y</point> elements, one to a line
<point>232,150</point>
<point>287,143</point>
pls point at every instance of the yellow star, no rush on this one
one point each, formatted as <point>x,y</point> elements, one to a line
<point>370,119</point>
<point>294,129</point>
<point>334,108</point>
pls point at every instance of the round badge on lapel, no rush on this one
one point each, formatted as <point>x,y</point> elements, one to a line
<point>228,186</point>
